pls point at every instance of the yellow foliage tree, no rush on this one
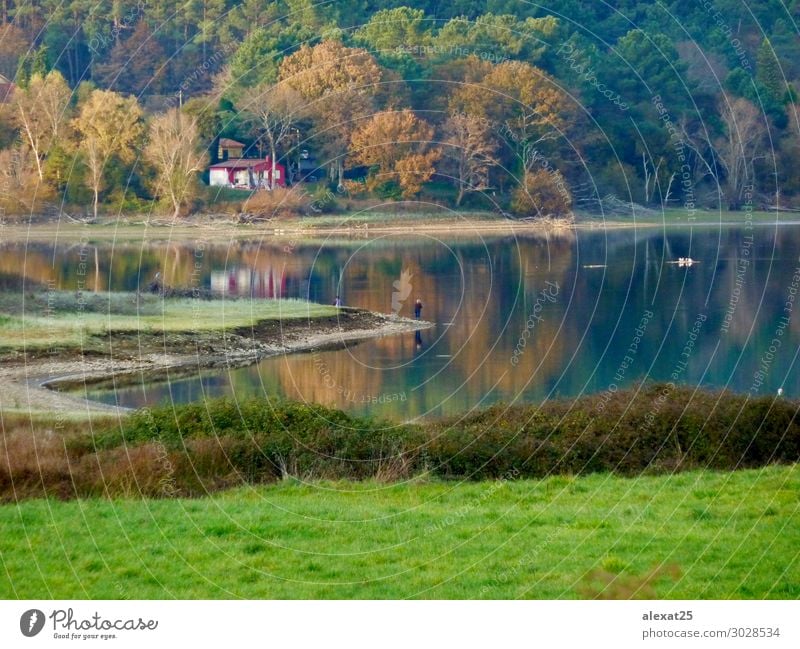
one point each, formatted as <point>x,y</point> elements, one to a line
<point>110,125</point>
<point>42,113</point>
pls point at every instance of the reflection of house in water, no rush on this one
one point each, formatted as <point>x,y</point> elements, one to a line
<point>267,283</point>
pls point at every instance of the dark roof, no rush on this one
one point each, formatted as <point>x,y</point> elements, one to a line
<point>226,141</point>
<point>240,163</point>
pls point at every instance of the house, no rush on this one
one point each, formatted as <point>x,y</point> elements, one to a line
<point>229,149</point>
<point>6,89</point>
<point>307,169</point>
<point>246,173</point>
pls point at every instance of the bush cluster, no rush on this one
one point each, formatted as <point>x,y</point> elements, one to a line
<point>197,448</point>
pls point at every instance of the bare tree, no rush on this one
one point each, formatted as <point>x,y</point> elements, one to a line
<point>174,150</point>
<point>740,147</point>
<point>469,152</point>
<point>274,111</point>
<point>694,134</point>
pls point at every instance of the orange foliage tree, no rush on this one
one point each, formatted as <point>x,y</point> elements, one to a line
<point>543,192</point>
<point>339,85</point>
<point>524,104</point>
<point>398,143</point>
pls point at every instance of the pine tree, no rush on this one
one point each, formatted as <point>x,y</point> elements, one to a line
<point>769,75</point>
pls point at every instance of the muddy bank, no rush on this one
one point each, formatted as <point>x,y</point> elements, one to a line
<point>34,380</point>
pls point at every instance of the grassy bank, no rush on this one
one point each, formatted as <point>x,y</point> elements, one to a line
<point>693,535</point>
<point>194,449</point>
<point>678,216</point>
<point>379,219</point>
<point>64,318</point>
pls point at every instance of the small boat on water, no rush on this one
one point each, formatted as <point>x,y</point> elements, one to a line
<point>685,262</point>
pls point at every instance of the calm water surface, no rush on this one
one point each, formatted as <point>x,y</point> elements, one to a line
<point>517,318</point>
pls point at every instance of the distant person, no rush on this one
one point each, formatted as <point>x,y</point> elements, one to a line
<point>418,309</point>
<point>155,285</point>
<point>337,302</point>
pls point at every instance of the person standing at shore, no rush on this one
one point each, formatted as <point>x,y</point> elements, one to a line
<point>418,309</point>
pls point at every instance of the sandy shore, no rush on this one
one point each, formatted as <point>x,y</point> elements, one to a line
<point>31,385</point>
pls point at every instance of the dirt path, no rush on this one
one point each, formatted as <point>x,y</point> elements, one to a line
<point>31,384</point>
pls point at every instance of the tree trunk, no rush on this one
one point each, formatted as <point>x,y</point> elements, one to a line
<point>34,148</point>
<point>96,271</point>
<point>38,165</point>
<point>96,199</point>
<point>272,163</point>
<point>460,194</point>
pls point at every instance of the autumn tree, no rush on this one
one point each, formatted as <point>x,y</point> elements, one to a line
<point>41,111</point>
<point>415,170</point>
<point>398,143</point>
<point>12,44</point>
<point>16,166</point>
<point>273,111</point>
<point>135,64</point>
<point>174,149</point>
<point>110,126</point>
<point>543,192</point>
<point>469,153</point>
<point>339,85</point>
<point>525,105</point>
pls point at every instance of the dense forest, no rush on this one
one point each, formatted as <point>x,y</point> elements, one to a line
<point>522,108</point>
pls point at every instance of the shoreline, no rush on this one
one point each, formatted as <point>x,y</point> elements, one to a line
<point>33,385</point>
<point>306,228</point>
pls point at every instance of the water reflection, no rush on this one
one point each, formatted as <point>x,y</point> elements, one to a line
<point>518,318</point>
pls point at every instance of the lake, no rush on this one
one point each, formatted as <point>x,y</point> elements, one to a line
<point>518,318</point>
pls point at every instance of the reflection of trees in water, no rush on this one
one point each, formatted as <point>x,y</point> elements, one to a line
<point>488,291</point>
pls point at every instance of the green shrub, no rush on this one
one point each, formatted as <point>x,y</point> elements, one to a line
<point>199,447</point>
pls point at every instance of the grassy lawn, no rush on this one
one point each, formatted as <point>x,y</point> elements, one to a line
<point>718,535</point>
<point>680,216</point>
<point>70,318</point>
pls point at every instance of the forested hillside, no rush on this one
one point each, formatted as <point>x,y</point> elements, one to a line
<point>521,108</point>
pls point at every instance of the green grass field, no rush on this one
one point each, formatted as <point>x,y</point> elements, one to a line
<point>717,535</point>
<point>70,319</point>
<point>678,216</point>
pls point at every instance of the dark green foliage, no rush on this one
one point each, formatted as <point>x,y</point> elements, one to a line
<point>217,444</point>
<point>614,58</point>
<point>33,62</point>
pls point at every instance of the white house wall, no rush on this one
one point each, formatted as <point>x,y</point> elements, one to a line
<point>218,177</point>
